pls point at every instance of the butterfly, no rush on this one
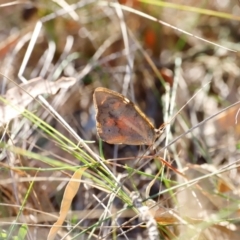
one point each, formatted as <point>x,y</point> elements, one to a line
<point>120,121</point>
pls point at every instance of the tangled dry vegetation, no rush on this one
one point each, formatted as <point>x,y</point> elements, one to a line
<point>59,181</point>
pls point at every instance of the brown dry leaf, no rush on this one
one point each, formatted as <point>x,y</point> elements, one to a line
<point>69,193</point>
<point>17,98</point>
<point>206,192</point>
<point>228,119</point>
<point>165,218</point>
<point>202,203</point>
<point>10,42</point>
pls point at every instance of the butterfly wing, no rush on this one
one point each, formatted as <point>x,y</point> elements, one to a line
<point>119,121</point>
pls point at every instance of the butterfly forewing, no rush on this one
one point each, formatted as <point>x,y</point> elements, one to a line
<point>119,121</point>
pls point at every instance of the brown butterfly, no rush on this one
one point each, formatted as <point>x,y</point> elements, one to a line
<point>120,121</point>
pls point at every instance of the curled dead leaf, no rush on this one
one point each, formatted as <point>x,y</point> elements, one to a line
<point>17,98</point>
